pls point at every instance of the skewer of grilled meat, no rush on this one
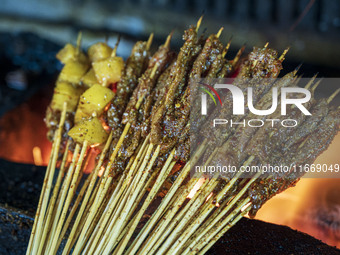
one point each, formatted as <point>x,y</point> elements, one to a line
<point>281,135</point>
<point>218,69</point>
<point>177,81</point>
<point>135,66</point>
<point>316,142</point>
<point>183,147</point>
<point>133,114</point>
<point>256,78</point>
<point>175,130</point>
<point>258,71</point>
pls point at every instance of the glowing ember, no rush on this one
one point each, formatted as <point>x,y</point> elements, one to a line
<point>245,207</point>
<point>312,206</point>
<point>196,188</point>
<point>94,145</point>
<point>38,161</point>
<point>210,195</point>
<point>23,134</point>
<point>91,162</point>
<point>101,171</point>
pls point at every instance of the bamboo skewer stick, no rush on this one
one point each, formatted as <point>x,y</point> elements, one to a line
<point>182,220</point>
<point>125,182</point>
<point>282,57</point>
<point>219,32</point>
<point>220,233</point>
<point>182,214</point>
<point>32,237</point>
<point>238,55</point>
<point>113,210</point>
<point>112,221</point>
<point>333,96</point>
<point>172,208</point>
<point>149,42</point>
<point>153,192</point>
<point>48,181</point>
<point>77,202</point>
<point>78,43</point>
<point>54,197</point>
<point>135,206</point>
<point>310,82</point>
<point>217,217</point>
<point>63,193</point>
<point>102,226</point>
<point>226,48</point>
<point>108,216</point>
<point>91,224</point>
<point>206,210</point>
<point>69,197</point>
<point>316,85</point>
<point>132,194</point>
<point>228,223</point>
<point>159,211</point>
<point>130,214</point>
<point>168,166</point>
<point>90,182</point>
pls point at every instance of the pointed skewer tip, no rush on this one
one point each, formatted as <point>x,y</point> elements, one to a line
<point>219,32</point>
<point>114,51</point>
<point>254,63</point>
<point>309,84</point>
<point>168,39</point>
<point>282,57</point>
<point>225,50</point>
<point>199,23</point>
<point>154,69</point>
<point>316,85</point>
<point>149,42</point>
<point>79,42</point>
<point>330,99</point>
<point>238,55</point>
<point>297,69</point>
<point>80,34</point>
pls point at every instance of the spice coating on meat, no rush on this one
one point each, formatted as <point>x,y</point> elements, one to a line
<point>135,66</point>
<point>316,142</point>
<point>178,79</point>
<point>139,106</point>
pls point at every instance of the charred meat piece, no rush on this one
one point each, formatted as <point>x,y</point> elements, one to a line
<point>135,66</point>
<point>316,142</point>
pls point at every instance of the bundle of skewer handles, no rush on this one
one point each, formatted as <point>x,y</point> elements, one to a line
<point>106,118</point>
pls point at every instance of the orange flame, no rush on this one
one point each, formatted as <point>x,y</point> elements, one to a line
<point>312,206</point>
<point>37,157</point>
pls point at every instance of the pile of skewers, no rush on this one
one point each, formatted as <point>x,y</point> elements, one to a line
<point>133,120</point>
